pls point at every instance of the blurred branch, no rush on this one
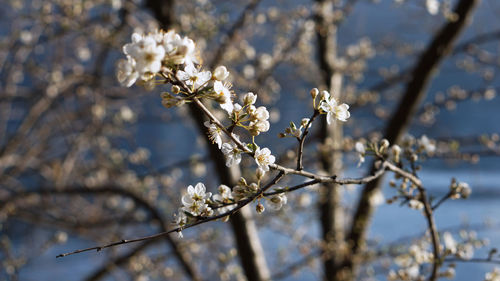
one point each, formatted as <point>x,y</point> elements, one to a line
<point>107,190</point>
<point>233,32</point>
<point>118,261</point>
<point>413,95</point>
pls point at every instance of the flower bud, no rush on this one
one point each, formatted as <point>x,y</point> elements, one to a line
<point>175,89</point>
<point>251,109</point>
<point>253,187</point>
<point>414,157</point>
<point>325,95</point>
<point>221,73</point>
<point>396,151</point>
<point>260,208</point>
<point>304,122</point>
<point>415,204</point>
<point>61,237</point>
<point>242,182</point>
<point>250,98</point>
<point>314,93</point>
<point>384,144</point>
<point>260,173</point>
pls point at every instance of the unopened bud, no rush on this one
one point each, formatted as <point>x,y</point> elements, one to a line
<point>242,182</point>
<point>396,151</point>
<point>314,93</point>
<point>260,173</point>
<point>304,122</point>
<point>414,157</point>
<point>384,144</point>
<point>253,187</point>
<point>260,208</point>
<point>325,95</point>
<point>176,89</point>
<point>61,237</point>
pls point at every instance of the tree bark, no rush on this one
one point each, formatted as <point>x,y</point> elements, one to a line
<point>414,93</point>
<point>250,250</point>
<point>330,207</point>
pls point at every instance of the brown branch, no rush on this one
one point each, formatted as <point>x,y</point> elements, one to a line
<point>239,205</point>
<point>118,261</point>
<point>105,190</point>
<point>233,32</point>
<point>431,225</point>
<point>202,220</point>
<point>303,139</point>
<point>474,260</point>
<point>414,93</point>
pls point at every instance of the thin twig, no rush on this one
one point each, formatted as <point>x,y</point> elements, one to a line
<point>302,140</point>
<point>433,232</point>
<point>240,205</point>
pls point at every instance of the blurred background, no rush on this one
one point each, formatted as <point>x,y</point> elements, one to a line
<point>85,161</point>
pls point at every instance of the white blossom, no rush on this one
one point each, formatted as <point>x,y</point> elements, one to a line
<point>223,96</point>
<point>449,242</point>
<point>193,77</point>
<point>187,49</point>
<point>147,54</point>
<point>232,153</point>
<point>214,133</point>
<point>432,6</point>
<point>426,144</point>
<point>360,148</point>
<point>460,190</point>
<point>333,110</point>
<point>249,98</point>
<point>126,72</point>
<point>260,116</point>
<point>465,251</point>
<point>221,73</point>
<point>494,275</point>
<point>416,204</point>
<point>194,200</point>
<point>180,220</point>
<point>263,158</point>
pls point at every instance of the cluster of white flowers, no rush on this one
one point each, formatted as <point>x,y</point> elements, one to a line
<point>494,275</point>
<point>169,56</point>
<point>465,248</point>
<point>419,254</point>
<point>254,119</point>
<point>196,199</point>
<point>163,57</point>
<point>147,53</point>
<point>426,144</point>
<point>409,263</point>
<point>196,202</point>
<point>459,190</point>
